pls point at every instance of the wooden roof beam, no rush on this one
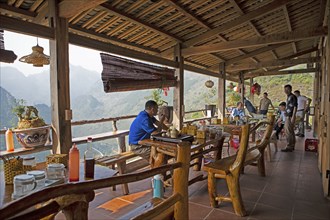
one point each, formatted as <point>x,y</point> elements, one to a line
<point>288,21</point>
<point>69,8</point>
<point>7,9</point>
<point>284,72</point>
<point>128,17</point>
<point>191,16</point>
<point>274,63</point>
<point>239,21</point>
<point>300,53</point>
<point>297,35</point>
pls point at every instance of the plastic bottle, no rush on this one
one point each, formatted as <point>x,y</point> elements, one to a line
<point>9,140</point>
<point>158,186</point>
<point>74,164</point>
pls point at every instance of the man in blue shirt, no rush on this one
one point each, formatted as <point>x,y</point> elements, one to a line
<point>238,111</point>
<point>143,127</point>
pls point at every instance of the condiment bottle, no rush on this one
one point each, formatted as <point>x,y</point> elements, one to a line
<point>89,158</point>
<point>9,140</point>
<point>74,164</point>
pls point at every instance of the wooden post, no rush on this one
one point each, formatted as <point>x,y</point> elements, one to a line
<point>241,82</point>
<point>326,151</point>
<point>222,92</point>
<point>180,185</point>
<point>59,81</point>
<point>251,94</point>
<point>178,102</point>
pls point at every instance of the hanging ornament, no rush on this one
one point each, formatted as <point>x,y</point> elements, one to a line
<point>37,57</point>
<point>256,89</point>
<point>209,83</point>
<point>166,90</point>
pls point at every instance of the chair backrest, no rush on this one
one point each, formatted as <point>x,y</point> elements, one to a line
<point>240,157</point>
<point>268,132</point>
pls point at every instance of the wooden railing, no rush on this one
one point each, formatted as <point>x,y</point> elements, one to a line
<point>103,136</point>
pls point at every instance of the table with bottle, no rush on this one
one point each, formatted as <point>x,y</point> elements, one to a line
<point>44,175</point>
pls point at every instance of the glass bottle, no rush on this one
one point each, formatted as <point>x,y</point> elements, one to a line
<point>89,158</point>
<point>74,164</point>
<point>9,140</point>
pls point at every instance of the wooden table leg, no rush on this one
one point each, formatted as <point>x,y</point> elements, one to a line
<point>220,142</point>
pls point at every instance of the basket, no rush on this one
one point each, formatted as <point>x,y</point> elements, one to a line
<point>13,167</point>
<point>57,158</point>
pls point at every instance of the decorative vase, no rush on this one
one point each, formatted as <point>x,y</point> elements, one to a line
<point>32,137</point>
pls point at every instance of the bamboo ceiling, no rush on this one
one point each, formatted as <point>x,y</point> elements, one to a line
<point>236,32</point>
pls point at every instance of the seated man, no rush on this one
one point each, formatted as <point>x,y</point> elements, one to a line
<point>281,120</point>
<point>143,127</point>
<point>238,111</point>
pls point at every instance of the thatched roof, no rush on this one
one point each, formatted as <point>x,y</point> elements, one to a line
<point>255,34</point>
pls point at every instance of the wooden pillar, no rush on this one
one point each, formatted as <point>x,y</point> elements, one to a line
<point>241,82</point>
<point>251,94</point>
<point>180,178</point>
<point>178,102</point>
<point>59,81</point>
<point>326,150</point>
<point>222,92</point>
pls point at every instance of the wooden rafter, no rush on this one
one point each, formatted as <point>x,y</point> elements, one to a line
<point>300,53</point>
<point>297,35</point>
<point>35,5</point>
<point>288,21</point>
<point>112,10</point>
<point>239,21</point>
<point>69,8</point>
<point>274,63</point>
<point>42,14</point>
<point>270,73</point>
<point>7,9</point>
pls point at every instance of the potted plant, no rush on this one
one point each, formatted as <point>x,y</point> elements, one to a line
<point>31,129</point>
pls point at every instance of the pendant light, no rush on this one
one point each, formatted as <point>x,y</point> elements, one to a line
<point>37,57</point>
<point>209,83</point>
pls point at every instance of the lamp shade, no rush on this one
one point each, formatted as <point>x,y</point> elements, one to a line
<point>209,83</point>
<point>37,57</point>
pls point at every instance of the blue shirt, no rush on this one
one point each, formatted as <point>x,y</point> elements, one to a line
<point>238,112</point>
<point>141,128</point>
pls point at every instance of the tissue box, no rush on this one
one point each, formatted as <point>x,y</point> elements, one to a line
<point>58,158</point>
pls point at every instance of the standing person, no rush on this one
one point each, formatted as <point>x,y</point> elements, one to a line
<point>143,127</point>
<point>281,120</point>
<point>303,106</point>
<point>290,117</point>
<point>264,104</point>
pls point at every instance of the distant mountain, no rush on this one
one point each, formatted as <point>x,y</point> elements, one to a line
<point>7,118</point>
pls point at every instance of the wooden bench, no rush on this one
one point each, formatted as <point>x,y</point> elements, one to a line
<point>73,198</point>
<point>126,162</point>
<point>229,168</point>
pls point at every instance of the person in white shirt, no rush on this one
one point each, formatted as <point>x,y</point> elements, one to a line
<point>303,106</point>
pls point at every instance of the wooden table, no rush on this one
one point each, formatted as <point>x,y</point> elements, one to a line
<point>197,151</point>
<point>7,190</point>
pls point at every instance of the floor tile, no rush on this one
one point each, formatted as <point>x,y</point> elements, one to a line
<point>276,201</point>
<point>269,212</point>
<point>197,211</point>
<point>312,209</point>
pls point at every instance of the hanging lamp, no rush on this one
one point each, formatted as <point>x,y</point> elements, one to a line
<point>37,57</point>
<point>209,83</point>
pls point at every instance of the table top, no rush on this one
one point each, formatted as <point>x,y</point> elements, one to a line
<point>6,190</point>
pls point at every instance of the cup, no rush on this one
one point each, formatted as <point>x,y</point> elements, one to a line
<point>56,171</point>
<point>23,185</point>
<point>39,176</point>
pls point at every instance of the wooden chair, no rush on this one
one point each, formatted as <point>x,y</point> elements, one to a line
<point>73,198</point>
<point>230,170</point>
<point>255,154</point>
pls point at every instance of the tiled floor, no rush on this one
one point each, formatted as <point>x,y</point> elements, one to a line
<point>291,190</point>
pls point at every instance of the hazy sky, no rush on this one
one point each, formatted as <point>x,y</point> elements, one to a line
<point>22,45</point>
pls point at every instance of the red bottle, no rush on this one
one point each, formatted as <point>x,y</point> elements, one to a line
<point>74,164</point>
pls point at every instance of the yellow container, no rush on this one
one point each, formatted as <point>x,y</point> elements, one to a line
<point>225,121</point>
<point>191,131</point>
<point>215,121</point>
<point>201,135</point>
<point>184,130</point>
